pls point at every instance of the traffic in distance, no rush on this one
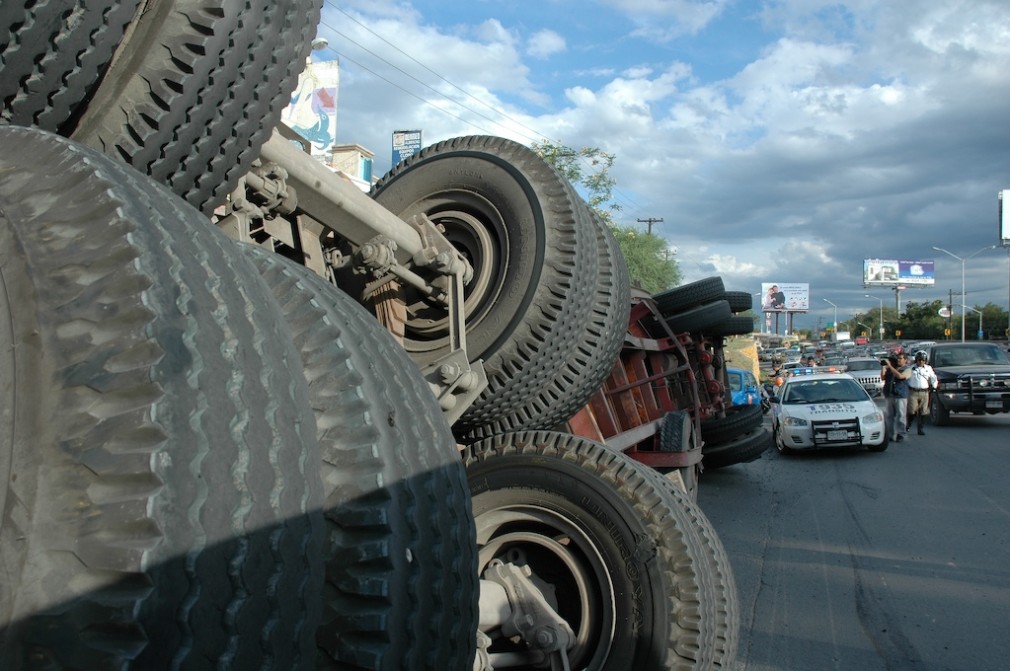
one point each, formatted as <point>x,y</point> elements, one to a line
<point>971,377</point>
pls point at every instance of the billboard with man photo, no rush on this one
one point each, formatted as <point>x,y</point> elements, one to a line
<point>785,297</point>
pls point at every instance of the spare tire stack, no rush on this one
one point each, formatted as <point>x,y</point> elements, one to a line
<point>710,314</point>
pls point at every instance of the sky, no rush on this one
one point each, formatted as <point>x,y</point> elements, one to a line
<point>781,141</point>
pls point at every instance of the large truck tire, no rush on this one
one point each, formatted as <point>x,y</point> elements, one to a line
<point>401,563</point>
<point>535,263</point>
<point>158,480</point>
<point>738,420</point>
<point>700,318</point>
<point>676,434</point>
<point>598,344</point>
<point>674,301</point>
<point>741,450</point>
<point>734,326</point>
<point>186,91</point>
<point>614,550</point>
<point>720,574</point>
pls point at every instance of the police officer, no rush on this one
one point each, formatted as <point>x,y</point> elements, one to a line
<point>921,381</point>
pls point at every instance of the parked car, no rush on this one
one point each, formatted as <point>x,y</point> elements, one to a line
<point>818,410</point>
<point>743,386</point>
<point>866,371</point>
<point>836,361</point>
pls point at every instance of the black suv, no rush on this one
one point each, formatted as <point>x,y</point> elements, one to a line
<point>973,377</point>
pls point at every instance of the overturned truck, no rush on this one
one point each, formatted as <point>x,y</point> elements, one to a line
<point>255,418</point>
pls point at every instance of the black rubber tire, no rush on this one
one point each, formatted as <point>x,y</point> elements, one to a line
<point>738,420</point>
<point>186,93</point>
<point>744,449</point>
<point>724,592</point>
<point>939,415</point>
<point>159,495</point>
<point>676,434</point>
<point>535,259</point>
<point>56,53</point>
<point>599,344</point>
<point>677,300</point>
<point>779,446</point>
<point>700,319</point>
<point>570,507</point>
<point>739,301</point>
<point>734,326</point>
<point>607,325</point>
<point>401,558</point>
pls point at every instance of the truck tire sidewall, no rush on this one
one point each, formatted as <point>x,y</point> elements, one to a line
<point>536,274</point>
<point>411,507</point>
<point>676,434</point>
<point>650,560</point>
<point>140,93</point>
<point>676,300</point>
<point>701,318</point>
<point>142,364</point>
<point>738,420</point>
<point>939,415</point>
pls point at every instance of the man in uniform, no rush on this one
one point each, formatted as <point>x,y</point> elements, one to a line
<point>921,381</point>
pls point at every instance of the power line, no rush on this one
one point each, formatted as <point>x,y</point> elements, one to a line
<point>536,134</point>
<point>618,194</point>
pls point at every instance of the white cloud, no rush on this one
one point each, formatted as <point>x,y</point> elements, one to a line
<point>664,20</point>
<point>545,43</point>
<point>858,128</point>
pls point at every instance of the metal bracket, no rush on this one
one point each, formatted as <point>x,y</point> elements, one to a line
<point>546,635</point>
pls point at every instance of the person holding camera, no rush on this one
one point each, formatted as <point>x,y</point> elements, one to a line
<point>895,373</point>
<point>921,381</point>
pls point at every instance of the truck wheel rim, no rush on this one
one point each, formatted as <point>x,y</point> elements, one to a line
<point>563,561</point>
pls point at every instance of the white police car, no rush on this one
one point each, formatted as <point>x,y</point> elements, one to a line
<point>812,410</point>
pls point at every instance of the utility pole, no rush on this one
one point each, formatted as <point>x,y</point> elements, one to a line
<point>950,307</point>
<point>649,221</point>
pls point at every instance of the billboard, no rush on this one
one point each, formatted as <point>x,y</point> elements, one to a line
<point>406,143</point>
<point>892,272</point>
<point>785,297</point>
<point>312,111</point>
<point>1004,217</point>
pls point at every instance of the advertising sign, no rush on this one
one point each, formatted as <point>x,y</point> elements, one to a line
<point>406,143</point>
<point>785,297</point>
<point>892,272</point>
<point>312,112</point>
<point>1004,217</point>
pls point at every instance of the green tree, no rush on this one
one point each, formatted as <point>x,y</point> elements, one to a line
<point>872,320</point>
<point>596,182</point>
<point>994,321</point>
<point>646,255</point>
<point>922,321</point>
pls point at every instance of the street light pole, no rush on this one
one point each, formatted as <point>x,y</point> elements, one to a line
<point>836,316</point>
<point>881,314</point>
<point>964,298</point>
<point>979,319</point>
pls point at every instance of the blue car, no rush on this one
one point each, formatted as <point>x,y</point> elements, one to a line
<point>743,387</point>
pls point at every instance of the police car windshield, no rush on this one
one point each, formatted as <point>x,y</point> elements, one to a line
<point>977,355</point>
<point>840,390</point>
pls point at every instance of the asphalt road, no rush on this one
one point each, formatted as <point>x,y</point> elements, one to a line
<point>897,560</point>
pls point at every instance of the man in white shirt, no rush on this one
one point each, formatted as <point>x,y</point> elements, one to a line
<point>921,381</point>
